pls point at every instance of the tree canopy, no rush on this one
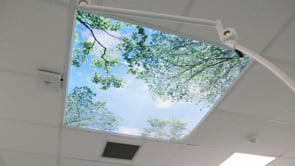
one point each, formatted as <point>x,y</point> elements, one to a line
<point>170,129</point>
<point>180,69</point>
<point>175,68</point>
<point>82,111</point>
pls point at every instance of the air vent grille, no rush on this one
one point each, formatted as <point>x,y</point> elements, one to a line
<point>120,151</point>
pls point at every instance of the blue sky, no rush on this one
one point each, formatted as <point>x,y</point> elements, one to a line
<point>133,103</point>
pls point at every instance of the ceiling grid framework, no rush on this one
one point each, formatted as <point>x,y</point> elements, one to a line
<point>68,45</point>
<point>285,27</point>
<point>287,115</point>
<point>35,34</point>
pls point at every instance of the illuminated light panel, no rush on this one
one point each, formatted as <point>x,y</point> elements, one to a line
<point>133,80</point>
<point>241,159</point>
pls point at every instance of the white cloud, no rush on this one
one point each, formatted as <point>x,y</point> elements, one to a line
<point>136,84</point>
<point>85,34</point>
<point>132,86</point>
<point>128,130</point>
<point>163,104</point>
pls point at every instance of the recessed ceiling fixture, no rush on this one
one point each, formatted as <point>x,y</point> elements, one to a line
<point>242,159</point>
<point>120,151</point>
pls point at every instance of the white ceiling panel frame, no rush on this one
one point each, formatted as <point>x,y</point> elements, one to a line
<point>71,14</point>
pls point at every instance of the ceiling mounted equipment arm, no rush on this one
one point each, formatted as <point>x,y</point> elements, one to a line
<point>228,36</point>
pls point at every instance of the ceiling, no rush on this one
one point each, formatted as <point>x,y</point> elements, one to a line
<point>36,34</point>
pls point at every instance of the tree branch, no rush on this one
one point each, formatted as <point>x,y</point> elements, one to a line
<point>94,37</point>
<point>78,120</point>
<point>86,25</point>
<point>222,76</point>
<point>111,34</point>
<point>174,64</point>
<point>200,71</point>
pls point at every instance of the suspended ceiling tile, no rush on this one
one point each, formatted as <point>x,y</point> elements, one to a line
<point>201,33</point>
<point>194,155</point>
<point>26,159</point>
<point>155,153</point>
<point>1,160</point>
<point>81,144</point>
<point>231,131</point>
<point>25,137</point>
<point>287,66</point>
<point>173,7</point>
<point>287,115</point>
<point>254,20</point>
<point>282,162</point>
<point>159,6</point>
<point>33,35</point>
<point>73,162</point>
<point>22,98</point>
<point>282,47</point>
<point>290,154</point>
<point>258,93</point>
